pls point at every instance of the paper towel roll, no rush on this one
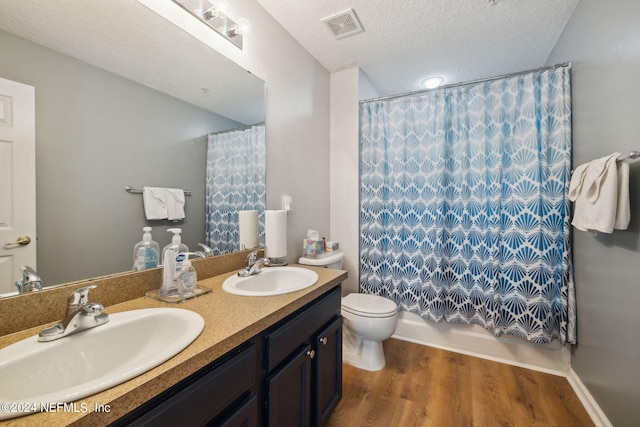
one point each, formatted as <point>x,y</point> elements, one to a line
<point>249,234</point>
<point>275,233</point>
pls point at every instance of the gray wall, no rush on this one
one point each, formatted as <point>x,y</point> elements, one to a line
<point>96,133</point>
<point>603,41</point>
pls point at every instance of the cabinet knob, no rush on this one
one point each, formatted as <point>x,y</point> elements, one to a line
<point>311,354</point>
<point>323,340</point>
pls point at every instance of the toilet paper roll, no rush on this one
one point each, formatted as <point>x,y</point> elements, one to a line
<point>249,233</point>
<point>275,233</point>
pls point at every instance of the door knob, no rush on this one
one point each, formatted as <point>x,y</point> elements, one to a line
<point>22,241</point>
<point>311,354</point>
<point>323,340</point>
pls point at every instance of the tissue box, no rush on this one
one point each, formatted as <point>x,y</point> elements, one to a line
<point>312,248</point>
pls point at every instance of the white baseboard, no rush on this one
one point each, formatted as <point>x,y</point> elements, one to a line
<point>590,405</point>
<point>476,341</point>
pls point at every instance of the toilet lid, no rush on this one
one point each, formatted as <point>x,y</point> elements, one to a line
<point>326,259</point>
<point>369,305</point>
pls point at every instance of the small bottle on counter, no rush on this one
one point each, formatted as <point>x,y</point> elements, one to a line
<point>187,277</point>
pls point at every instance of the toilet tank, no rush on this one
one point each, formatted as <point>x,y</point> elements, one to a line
<point>331,259</point>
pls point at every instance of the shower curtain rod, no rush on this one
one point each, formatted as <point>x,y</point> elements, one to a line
<point>488,79</point>
<point>235,129</point>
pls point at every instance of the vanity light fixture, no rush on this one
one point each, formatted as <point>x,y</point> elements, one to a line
<point>241,28</point>
<point>432,82</point>
<point>214,13</point>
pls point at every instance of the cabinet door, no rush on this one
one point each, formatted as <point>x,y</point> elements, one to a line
<point>244,416</point>
<point>328,371</point>
<point>289,392</point>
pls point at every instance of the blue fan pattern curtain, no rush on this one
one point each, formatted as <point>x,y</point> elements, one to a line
<point>464,215</point>
<point>235,182</point>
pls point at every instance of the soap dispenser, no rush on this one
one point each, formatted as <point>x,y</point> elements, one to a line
<point>146,252</point>
<point>172,263</point>
<point>187,277</point>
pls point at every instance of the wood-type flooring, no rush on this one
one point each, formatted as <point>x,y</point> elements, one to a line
<point>426,386</point>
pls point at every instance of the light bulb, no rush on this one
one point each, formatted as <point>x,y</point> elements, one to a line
<point>432,82</point>
<point>241,28</point>
<point>222,6</point>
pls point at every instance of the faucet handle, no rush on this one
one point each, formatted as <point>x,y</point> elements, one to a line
<point>79,297</point>
<point>251,258</point>
<point>206,249</point>
<point>29,274</point>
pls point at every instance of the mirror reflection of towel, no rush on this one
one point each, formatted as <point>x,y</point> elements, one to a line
<point>155,202</point>
<point>175,204</point>
<point>163,203</point>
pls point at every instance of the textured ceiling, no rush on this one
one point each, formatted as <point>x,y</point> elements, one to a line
<point>126,38</point>
<point>405,41</point>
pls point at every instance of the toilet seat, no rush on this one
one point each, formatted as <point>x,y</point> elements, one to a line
<point>367,305</point>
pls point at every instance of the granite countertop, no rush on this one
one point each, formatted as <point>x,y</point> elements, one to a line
<point>230,320</point>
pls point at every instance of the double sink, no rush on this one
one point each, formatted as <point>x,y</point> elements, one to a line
<point>35,374</point>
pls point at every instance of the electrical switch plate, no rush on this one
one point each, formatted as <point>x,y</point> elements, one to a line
<point>287,203</point>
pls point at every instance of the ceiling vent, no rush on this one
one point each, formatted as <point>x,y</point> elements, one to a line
<point>343,24</point>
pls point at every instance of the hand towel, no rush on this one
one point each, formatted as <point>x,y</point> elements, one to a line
<point>155,202</point>
<point>594,189</point>
<point>623,210</point>
<point>175,204</point>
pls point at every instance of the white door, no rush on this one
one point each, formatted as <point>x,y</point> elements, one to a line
<point>17,181</point>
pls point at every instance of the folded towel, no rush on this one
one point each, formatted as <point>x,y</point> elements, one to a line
<point>175,204</point>
<point>601,195</point>
<point>155,202</point>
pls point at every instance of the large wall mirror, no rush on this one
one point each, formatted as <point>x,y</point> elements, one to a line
<point>123,98</point>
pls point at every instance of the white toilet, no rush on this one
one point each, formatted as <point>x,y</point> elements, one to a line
<point>368,320</point>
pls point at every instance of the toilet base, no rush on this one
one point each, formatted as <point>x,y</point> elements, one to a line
<point>363,354</point>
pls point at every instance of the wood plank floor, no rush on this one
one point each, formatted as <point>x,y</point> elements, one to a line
<point>426,386</point>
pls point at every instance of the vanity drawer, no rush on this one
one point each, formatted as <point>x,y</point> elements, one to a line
<point>283,340</point>
<point>208,393</point>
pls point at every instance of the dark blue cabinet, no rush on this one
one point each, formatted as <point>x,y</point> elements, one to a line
<point>288,375</point>
<point>304,365</point>
<point>327,372</point>
<point>289,392</point>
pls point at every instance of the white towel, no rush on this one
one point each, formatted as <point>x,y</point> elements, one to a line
<point>623,212</point>
<point>155,202</point>
<point>175,204</point>
<point>601,195</point>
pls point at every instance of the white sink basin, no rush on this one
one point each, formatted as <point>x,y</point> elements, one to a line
<point>271,281</point>
<point>131,343</point>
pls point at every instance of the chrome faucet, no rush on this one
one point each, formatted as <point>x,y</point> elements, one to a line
<point>253,264</point>
<point>81,315</point>
<point>206,251</point>
<point>30,282</point>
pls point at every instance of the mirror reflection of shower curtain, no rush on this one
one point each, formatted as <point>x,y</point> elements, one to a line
<point>464,215</point>
<point>235,182</point>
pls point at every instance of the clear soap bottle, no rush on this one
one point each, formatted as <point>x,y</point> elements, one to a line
<point>172,260</point>
<point>187,278</point>
<point>146,252</point>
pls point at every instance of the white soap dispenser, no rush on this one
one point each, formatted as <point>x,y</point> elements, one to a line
<point>187,277</point>
<point>172,263</point>
<point>146,252</point>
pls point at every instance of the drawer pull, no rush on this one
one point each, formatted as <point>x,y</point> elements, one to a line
<point>323,340</point>
<point>311,354</point>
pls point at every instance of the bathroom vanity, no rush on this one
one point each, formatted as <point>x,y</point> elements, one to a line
<point>273,360</point>
<point>288,375</point>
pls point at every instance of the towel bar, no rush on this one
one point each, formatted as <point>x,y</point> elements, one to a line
<point>631,155</point>
<point>135,190</point>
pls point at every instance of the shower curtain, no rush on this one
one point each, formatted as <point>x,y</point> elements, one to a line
<point>235,182</point>
<point>464,215</point>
